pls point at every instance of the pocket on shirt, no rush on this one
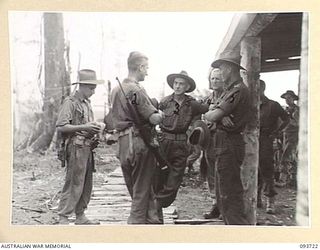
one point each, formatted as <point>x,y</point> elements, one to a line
<point>168,121</point>
<point>79,115</point>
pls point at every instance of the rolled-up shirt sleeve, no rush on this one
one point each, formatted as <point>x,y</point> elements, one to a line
<point>65,114</point>
<point>199,108</point>
<point>229,102</point>
<point>144,104</point>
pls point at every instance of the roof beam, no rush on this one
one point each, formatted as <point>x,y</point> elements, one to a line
<point>244,25</point>
<point>280,65</point>
<point>237,30</point>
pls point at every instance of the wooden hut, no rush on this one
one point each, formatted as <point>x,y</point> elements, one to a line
<point>269,42</point>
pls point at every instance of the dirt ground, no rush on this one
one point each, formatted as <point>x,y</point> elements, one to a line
<point>38,179</point>
<point>194,200</point>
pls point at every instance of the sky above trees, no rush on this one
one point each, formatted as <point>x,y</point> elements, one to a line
<point>173,41</point>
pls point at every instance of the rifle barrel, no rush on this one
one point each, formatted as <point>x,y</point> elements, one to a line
<point>122,90</point>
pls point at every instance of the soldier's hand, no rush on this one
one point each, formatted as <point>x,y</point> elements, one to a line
<point>227,122</point>
<point>92,127</point>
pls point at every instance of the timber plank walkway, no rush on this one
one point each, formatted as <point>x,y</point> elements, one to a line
<point>111,202</point>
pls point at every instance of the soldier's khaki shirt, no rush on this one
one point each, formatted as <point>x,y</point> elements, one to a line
<point>235,102</point>
<point>138,96</point>
<point>75,110</point>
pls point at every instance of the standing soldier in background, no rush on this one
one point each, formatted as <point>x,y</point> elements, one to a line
<point>179,110</point>
<point>78,129</point>
<point>137,161</point>
<point>228,141</point>
<point>270,112</point>
<point>291,132</point>
<point>216,84</point>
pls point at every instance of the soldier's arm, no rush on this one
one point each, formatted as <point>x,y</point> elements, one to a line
<point>214,115</point>
<point>295,117</point>
<point>90,127</point>
<point>283,116</point>
<point>146,108</point>
<point>65,117</point>
<point>199,108</point>
<point>224,108</point>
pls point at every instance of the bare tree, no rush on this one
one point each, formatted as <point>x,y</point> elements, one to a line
<point>57,82</point>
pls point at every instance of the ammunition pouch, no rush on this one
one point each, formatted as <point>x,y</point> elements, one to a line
<point>82,141</point>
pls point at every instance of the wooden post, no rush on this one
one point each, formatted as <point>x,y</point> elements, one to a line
<point>250,50</point>
<point>302,213</point>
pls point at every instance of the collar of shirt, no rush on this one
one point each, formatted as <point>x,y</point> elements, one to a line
<point>127,80</point>
<point>210,99</point>
<point>80,98</point>
<point>186,98</point>
<point>239,81</point>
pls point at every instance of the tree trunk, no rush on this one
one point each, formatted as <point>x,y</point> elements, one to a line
<point>251,56</point>
<point>302,214</point>
<point>57,80</point>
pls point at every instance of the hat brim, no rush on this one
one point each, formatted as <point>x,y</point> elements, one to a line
<point>217,63</point>
<point>200,126</point>
<point>295,97</point>
<point>93,82</point>
<point>191,82</point>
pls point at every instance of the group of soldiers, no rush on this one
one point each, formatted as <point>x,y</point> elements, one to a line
<point>217,129</point>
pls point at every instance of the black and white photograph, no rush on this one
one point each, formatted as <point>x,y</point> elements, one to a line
<point>160,118</point>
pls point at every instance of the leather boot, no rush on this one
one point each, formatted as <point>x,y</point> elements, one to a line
<point>270,205</point>
<point>63,220</point>
<point>214,213</point>
<point>81,219</point>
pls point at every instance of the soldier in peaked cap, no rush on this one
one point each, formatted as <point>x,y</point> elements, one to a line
<point>77,126</point>
<point>228,141</point>
<point>216,84</point>
<point>179,110</point>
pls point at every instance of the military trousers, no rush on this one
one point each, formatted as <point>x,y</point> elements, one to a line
<point>76,192</point>
<point>210,157</point>
<point>138,166</point>
<point>229,153</point>
<point>266,166</point>
<point>290,151</point>
<point>176,154</point>
<point>290,157</point>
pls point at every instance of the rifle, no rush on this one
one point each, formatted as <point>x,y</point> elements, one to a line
<point>61,149</point>
<point>145,132</point>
